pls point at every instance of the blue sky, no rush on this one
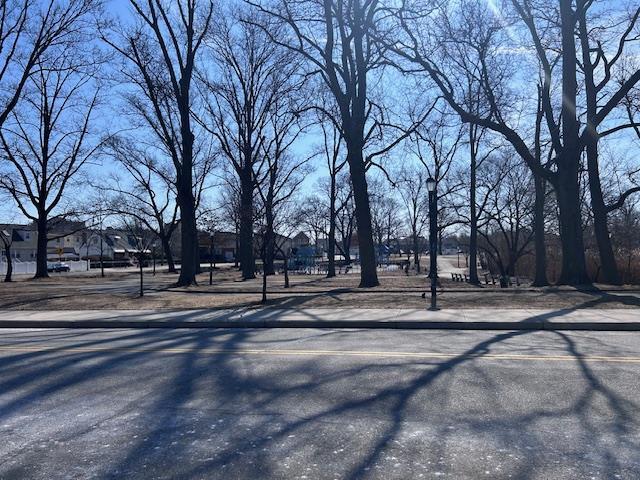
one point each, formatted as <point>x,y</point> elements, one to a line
<point>621,147</point>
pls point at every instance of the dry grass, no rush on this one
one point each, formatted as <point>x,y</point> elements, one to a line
<point>119,290</point>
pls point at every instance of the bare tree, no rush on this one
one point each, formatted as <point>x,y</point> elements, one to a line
<point>436,145</point>
<point>142,239</point>
<point>229,206</point>
<point>254,76</point>
<point>604,46</point>
<point>48,139</point>
<point>28,31</point>
<point>625,228</point>
<point>508,217</point>
<point>146,192</point>
<point>336,40</point>
<point>345,218</point>
<point>336,161</point>
<point>482,38</point>
<point>282,170</point>
<point>412,186</point>
<point>160,53</point>
<point>384,207</point>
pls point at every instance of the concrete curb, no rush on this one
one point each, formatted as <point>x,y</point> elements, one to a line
<point>540,325</point>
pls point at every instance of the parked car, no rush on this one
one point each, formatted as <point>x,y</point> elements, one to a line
<point>58,267</point>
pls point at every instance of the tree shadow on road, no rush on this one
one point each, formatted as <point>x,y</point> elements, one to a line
<point>246,416</point>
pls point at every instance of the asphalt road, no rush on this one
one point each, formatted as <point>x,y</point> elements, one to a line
<point>316,404</point>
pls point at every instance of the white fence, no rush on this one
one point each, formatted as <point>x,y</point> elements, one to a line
<point>29,268</point>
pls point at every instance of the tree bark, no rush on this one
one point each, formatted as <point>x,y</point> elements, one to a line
<point>416,253</point>
<point>141,275</point>
<point>574,270</point>
<point>269,241</point>
<point>41,249</point>
<point>608,263</point>
<point>574,267</point>
<point>264,276</point>
<point>189,263</point>
<point>540,279</point>
<point>188,238</point>
<point>368,274</point>
<point>7,254</point>
<point>331,246</point>
<point>166,248</point>
<point>600,212</point>
<point>247,257</point>
<point>473,234</point>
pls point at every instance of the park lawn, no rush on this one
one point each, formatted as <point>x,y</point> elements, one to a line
<point>119,290</point>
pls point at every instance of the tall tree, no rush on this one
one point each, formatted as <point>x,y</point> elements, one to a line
<point>472,42</point>
<point>332,153</point>
<point>335,38</point>
<point>436,145</point>
<point>160,52</point>
<point>254,75</point>
<point>604,46</point>
<point>48,139</point>
<point>281,174</point>
<point>412,185</point>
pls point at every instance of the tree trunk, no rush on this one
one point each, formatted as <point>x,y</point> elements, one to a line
<point>41,249</point>
<point>574,270</point>
<point>247,257</point>
<point>236,255</point>
<point>101,255</point>
<point>539,237</point>
<point>269,242</point>
<point>368,274</point>
<point>416,253</point>
<point>600,224</point>
<point>511,264</point>
<point>286,271</point>
<point>188,238</point>
<point>346,247</point>
<point>473,234</point>
<point>197,247</point>
<point>331,246</point>
<point>141,276</point>
<point>264,276</point>
<point>166,248</point>
<point>7,254</point>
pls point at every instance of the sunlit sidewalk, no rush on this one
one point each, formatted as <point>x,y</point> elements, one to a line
<point>464,319</point>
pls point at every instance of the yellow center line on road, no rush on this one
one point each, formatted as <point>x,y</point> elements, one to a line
<point>321,353</point>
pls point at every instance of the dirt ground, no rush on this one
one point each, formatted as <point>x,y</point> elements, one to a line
<point>119,290</point>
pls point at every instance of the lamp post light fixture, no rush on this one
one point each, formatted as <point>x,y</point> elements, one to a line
<point>433,235</point>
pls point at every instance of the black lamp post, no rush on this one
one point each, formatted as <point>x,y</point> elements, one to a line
<point>153,256</point>
<point>211,259</point>
<point>433,235</point>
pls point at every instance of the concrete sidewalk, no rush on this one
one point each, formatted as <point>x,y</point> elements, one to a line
<point>475,319</point>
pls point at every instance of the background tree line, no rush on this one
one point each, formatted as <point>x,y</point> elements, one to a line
<point>275,116</point>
